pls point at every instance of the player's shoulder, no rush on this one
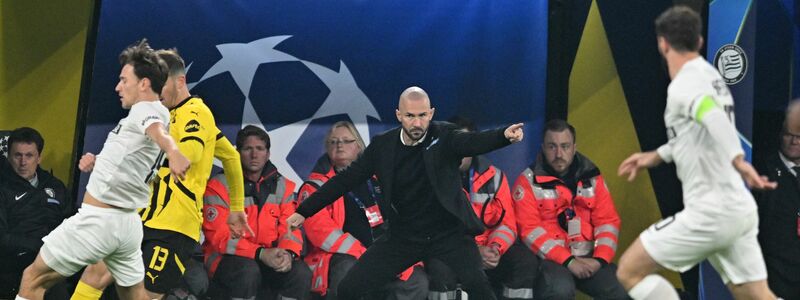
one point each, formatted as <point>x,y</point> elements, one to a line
<point>195,107</point>
<point>688,85</point>
<point>144,107</point>
<point>144,111</point>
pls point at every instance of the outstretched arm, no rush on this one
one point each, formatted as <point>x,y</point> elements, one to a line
<point>178,164</point>
<point>631,165</point>
<point>467,144</point>
<point>722,130</point>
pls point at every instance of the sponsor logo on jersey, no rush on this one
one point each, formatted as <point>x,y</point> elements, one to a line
<point>192,126</point>
<point>148,118</point>
<point>117,129</point>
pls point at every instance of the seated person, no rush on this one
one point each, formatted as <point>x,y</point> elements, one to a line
<point>507,263</point>
<point>268,263</point>
<point>565,215</point>
<point>779,209</point>
<point>35,203</point>
<point>342,231</point>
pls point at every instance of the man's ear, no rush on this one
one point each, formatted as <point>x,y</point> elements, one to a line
<point>145,84</point>
<point>700,43</point>
<point>181,80</point>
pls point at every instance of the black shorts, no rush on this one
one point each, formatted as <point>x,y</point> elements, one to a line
<point>165,253</point>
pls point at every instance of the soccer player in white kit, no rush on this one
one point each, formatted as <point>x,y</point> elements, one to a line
<point>107,225</point>
<point>720,218</point>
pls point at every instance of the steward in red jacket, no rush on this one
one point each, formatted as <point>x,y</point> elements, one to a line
<point>269,261</point>
<point>566,216</point>
<point>343,230</point>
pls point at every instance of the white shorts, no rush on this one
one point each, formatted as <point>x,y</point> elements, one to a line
<point>95,233</point>
<point>729,242</point>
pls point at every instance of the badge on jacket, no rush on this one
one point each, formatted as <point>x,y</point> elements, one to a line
<point>374,215</point>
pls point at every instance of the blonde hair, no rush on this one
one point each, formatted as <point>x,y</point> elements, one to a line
<point>351,128</point>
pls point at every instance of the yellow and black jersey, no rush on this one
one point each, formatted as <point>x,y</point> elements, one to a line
<point>177,205</point>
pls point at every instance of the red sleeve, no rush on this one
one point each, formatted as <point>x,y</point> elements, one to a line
<point>292,241</point>
<point>529,222</point>
<point>505,234</point>
<point>215,226</point>
<point>323,232</point>
<point>605,221</point>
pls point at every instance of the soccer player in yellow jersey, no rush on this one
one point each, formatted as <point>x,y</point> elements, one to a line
<point>172,221</point>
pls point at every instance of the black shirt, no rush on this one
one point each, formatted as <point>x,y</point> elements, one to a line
<point>420,215</point>
<point>355,219</point>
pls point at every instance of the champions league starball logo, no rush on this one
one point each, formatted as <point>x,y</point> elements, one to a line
<point>345,97</point>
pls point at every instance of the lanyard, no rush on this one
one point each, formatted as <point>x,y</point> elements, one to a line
<point>358,201</point>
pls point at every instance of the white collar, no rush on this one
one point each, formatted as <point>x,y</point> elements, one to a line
<point>789,164</point>
<point>34,181</point>
<point>403,140</point>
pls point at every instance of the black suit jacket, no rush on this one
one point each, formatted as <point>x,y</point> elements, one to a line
<point>442,158</point>
<point>777,211</point>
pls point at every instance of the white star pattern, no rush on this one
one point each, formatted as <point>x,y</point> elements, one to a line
<point>345,97</point>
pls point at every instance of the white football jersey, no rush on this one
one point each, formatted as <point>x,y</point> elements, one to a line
<point>129,158</point>
<point>709,180</point>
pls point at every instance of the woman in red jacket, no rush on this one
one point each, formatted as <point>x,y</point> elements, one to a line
<point>342,231</point>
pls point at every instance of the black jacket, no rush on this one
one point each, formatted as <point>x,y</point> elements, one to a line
<point>442,158</point>
<point>29,213</point>
<point>778,219</point>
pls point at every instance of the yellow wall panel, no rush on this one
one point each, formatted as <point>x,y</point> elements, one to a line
<point>605,131</point>
<point>41,50</point>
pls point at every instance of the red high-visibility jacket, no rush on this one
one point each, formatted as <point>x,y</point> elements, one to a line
<point>324,230</point>
<point>490,184</point>
<point>268,223</point>
<point>540,197</point>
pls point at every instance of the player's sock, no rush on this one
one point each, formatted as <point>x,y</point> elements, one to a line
<point>653,287</point>
<point>86,292</point>
<point>20,298</point>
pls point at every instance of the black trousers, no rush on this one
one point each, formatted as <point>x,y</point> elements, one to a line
<point>415,288</point>
<point>244,278</point>
<point>391,254</point>
<point>516,273</point>
<point>557,282</point>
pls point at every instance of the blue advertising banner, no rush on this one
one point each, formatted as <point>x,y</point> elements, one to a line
<point>295,67</point>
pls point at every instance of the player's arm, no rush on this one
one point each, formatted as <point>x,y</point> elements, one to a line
<point>231,162</point>
<point>178,164</point>
<point>218,235</point>
<point>191,130</point>
<point>707,112</point>
<point>631,165</point>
